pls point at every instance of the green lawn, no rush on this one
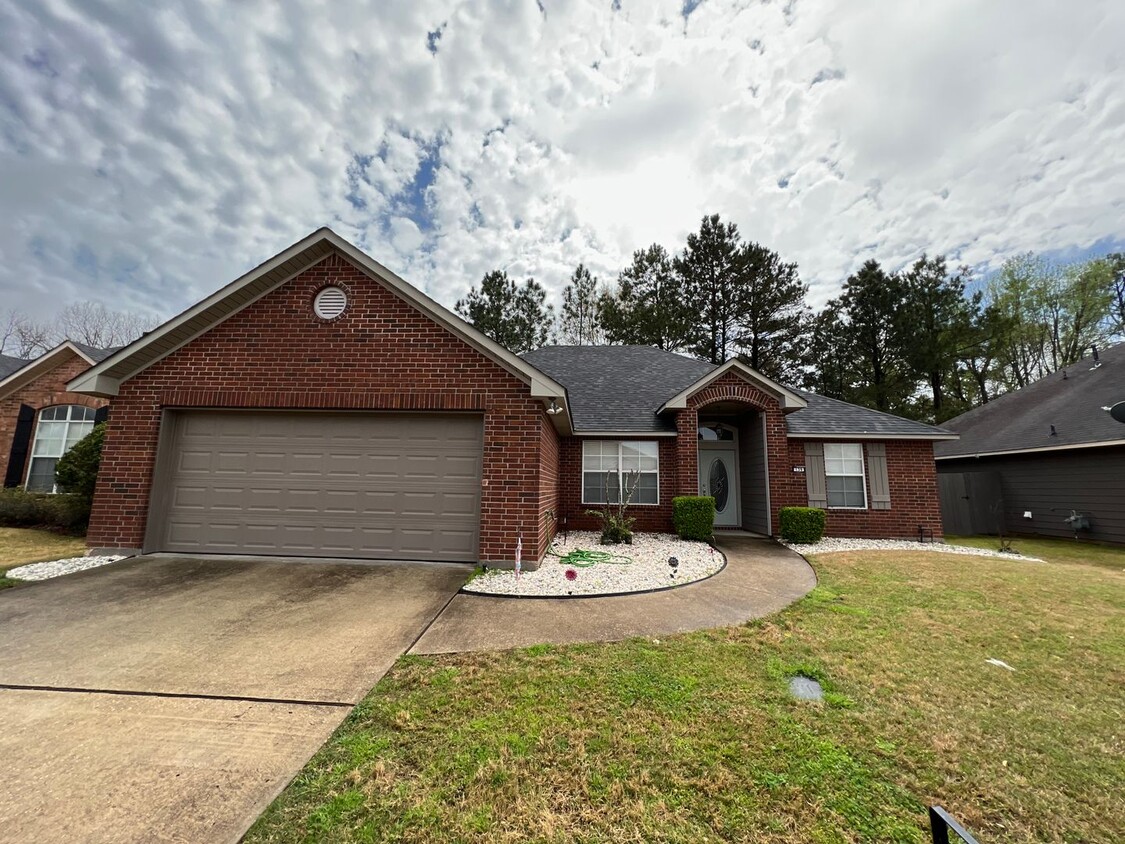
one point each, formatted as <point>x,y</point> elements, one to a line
<point>1078,552</point>
<point>27,545</point>
<point>694,738</point>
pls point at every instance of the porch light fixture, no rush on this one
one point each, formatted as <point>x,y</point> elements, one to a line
<point>553,408</point>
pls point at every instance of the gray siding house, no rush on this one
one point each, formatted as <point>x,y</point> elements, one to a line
<point>1030,460</point>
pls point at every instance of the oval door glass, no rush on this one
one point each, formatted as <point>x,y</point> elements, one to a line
<point>717,480</point>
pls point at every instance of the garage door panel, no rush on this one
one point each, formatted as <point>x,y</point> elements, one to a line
<point>319,484</point>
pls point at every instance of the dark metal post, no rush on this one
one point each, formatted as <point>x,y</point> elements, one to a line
<point>940,824</point>
<point>938,829</point>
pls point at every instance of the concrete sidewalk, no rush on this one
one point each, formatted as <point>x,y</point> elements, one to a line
<point>761,577</point>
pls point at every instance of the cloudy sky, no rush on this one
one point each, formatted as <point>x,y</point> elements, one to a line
<point>147,158</point>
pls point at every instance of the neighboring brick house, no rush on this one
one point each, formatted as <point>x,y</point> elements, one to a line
<point>39,419</point>
<point>321,406</point>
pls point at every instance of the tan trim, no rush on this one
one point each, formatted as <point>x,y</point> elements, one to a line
<point>835,435</point>
<point>102,380</point>
<point>34,368</point>
<point>94,380</point>
<point>789,400</point>
<point>1073,447</point>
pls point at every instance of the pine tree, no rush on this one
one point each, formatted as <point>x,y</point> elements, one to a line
<point>515,316</point>
<point>707,268</point>
<point>870,304</point>
<point>772,317</point>
<point>934,325</point>
<point>648,307</point>
<point>580,319</point>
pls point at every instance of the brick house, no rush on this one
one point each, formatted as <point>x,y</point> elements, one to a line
<point>321,406</point>
<point>39,418</point>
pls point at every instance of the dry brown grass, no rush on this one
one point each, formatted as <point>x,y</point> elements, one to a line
<point>19,546</point>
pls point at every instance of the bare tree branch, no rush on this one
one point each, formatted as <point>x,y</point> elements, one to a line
<point>23,337</point>
<point>93,324</point>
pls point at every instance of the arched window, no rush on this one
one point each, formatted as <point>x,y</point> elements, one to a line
<point>59,428</point>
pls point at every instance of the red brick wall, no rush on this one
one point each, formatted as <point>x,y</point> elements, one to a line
<point>649,517</point>
<point>732,388</point>
<point>548,482</point>
<point>910,468</point>
<point>914,494</point>
<point>47,390</point>
<point>381,354</point>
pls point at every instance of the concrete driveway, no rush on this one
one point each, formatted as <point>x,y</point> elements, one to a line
<point>170,698</point>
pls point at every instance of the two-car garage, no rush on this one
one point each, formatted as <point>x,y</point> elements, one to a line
<point>387,486</point>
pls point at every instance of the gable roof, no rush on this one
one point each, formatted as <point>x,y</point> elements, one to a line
<point>789,400</point>
<point>623,389</point>
<point>618,388</point>
<point>93,353</point>
<point>32,369</point>
<point>1021,420</point>
<point>106,377</point>
<point>9,364</point>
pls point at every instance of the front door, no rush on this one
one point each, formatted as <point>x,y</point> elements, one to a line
<point>717,478</point>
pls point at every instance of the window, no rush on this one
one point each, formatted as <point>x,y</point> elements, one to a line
<point>843,475</point>
<point>58,430</point>
<point>716,433</point>
<point>608,464</point>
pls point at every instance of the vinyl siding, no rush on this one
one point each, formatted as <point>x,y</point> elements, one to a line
<point>752,468</point>
<point>1091,481</point>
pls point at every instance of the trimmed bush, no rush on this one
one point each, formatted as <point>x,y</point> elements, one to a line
<point>801,525</point>
<point>19,508</point>
<point>694,516</point>
<point>77,470</point>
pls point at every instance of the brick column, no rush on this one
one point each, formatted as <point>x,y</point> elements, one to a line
<point>687,452</point>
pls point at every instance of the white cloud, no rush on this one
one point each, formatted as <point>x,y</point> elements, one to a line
<point>148,158</point>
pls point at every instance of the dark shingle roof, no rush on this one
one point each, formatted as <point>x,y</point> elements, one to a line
<point>620,388</point>
<point>1022,419</point>
<point>95,354</point>
<point>9,364</point>
<point>832,416</point>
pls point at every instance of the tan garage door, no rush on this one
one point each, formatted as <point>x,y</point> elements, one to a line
<point>372,486</point>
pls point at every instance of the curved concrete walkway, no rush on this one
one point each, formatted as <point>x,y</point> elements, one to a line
<point>761,577</point>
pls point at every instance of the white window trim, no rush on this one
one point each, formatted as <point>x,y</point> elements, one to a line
<point>582,474</point>
<point>863,474</point>
<point>32,456</point>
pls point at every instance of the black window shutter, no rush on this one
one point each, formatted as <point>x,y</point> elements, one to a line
<point>21,445</point>
<point>101,414</point>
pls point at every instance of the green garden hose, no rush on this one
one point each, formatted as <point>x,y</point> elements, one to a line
<point>581,558</point>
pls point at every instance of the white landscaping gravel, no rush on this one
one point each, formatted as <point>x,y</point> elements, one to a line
<point>829,545</point>
<point>643,566</point>
<point>57,568</point>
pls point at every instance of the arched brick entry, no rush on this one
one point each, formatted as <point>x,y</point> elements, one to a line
<point>762,455</point>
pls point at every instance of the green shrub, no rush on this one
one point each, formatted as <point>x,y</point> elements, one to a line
<point>69,512</point>
<point>77,470</point>
<point>694,516</point>
<point>801,525</point>
<point>19,508</point>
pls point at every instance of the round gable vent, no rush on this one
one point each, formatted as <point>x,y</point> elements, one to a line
<point>330,302</point>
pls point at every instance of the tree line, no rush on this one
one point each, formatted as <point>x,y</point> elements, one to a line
<point>911,342</point>
<point>89,323</point>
